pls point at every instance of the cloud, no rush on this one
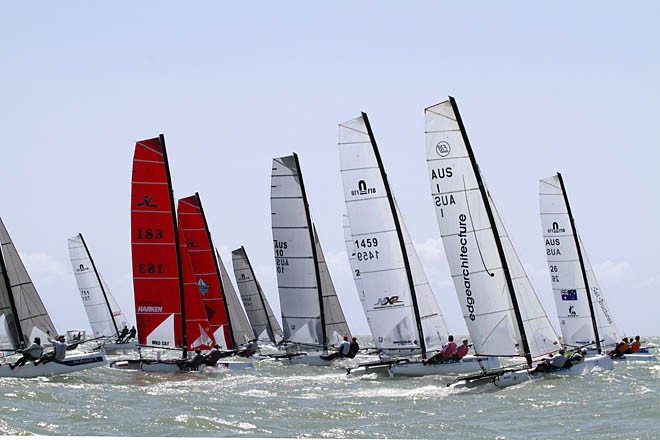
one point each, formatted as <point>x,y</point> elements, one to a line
<point>41,265</point>
<point>430,249</point>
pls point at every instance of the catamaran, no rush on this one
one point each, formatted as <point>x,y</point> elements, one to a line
<point>584,317</point>
<point>262,319</point>
<point>402,311</point>
<point>24,317</point>
<point>502,312</point>
<point>311,313</point>
<point>103,312</point>
<point>169,309</point>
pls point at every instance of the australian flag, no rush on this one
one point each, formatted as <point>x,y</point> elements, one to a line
<point>569,295</point>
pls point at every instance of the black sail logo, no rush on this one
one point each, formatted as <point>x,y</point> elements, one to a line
<point>556,229</point>
<point>363,189</point>
<point>443,149</point>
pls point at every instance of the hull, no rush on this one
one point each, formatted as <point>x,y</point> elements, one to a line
<point>168,367</point>
<point>159,366</point>
<point>115,348</point>
<point>642,357</point>
<point>308,359</point>
<point>379,367</point>
<point>507,378</point>
<point>69,365</point>
<point>466,365</point>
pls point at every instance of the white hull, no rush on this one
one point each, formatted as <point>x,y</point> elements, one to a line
<point>171,366</point>
<point>515,377</point>
<point>468,364</point>
<point>69,365</point>
<point>115,348</point>
<point>643,357</point>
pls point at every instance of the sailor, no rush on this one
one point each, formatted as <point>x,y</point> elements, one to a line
<point>634,346</point>
<point>554,363</point>
<point>353,348</point>
<point>250,349</point>
<point>621,348</point>
<point>196,361</point>
<point>342,350</point>
<point>461,351</point>
<point>59,352</point>
<point>576,358</point>
<point>131,334</point>
<point>445,353</point>
<point>122,335</point>
<point>215,354</point>
<point>31,353</point>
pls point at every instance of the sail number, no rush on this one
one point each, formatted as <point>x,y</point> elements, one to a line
<point>150,268</point>
<point>369,253</point>
<point>85,295</point>
<point>366,243</point>
<point>150,234</point>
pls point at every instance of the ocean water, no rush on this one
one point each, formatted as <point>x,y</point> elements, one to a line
<point>280,400</point>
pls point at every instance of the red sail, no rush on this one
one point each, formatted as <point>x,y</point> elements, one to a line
<point>205,268</point>
<point>198,330</point>
<point>153,244</point>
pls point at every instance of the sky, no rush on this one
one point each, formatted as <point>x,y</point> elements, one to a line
<point>541,88</point>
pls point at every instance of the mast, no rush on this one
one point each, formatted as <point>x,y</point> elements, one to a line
<point>582,268</point>
<point>98,278</point>
<point>314,254</point>
<point>184,339</point>
<point>399,234</point>
<point>217,268</point>
<point>498,243</point>
<point>271,332</point>
<point>12,303</point>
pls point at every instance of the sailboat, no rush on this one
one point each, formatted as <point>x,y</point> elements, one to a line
<point>241,329</point>
<point>402,311</point>
<point>206,269</point>
<point>503,314</point>
<point>262,319</point>
<point>311,314</point>
<point>584,317</point>
<point>24,317</point>
<point>103,312</point>
<point>169,309</point>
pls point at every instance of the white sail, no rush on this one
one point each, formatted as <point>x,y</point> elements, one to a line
<point>299,277</point>
<point>351,251</point>
<point>566,275</point>
<point>103,312</point>
<point>240,325</point>
<point>380,258</point>
<point>335,322</point>
<point>262,319</point>
<point>28,311</point>
<point>472,250</point>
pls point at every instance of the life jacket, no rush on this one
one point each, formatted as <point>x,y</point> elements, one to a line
<point>623,347</point>
<point>635,346</point>
<point>448,349</point>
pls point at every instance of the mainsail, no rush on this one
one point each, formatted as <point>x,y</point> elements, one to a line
<point>501,309</point>
<point>198,242</point>
<point>22,314</point>
<point>304,291</point>
<point>571,273</point>
<point>103,312</point>
<point>240,325</point>
<point>263,320</point>
<point>401,309</point>
<point>158,266</point>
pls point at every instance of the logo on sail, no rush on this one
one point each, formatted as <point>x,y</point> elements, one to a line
<point>571,311</point>
<point>569,295</point>
<point>362,189</point>
<point>387,301</point>
<point>82,268</point>
<point>146,201</point>
<point>443,149</point>
<point>150,309</point>
<point>191,244</point>
<point>203,287</point>
<point>556,229</point>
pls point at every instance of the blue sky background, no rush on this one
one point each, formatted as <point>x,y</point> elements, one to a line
<point>541,88</point>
